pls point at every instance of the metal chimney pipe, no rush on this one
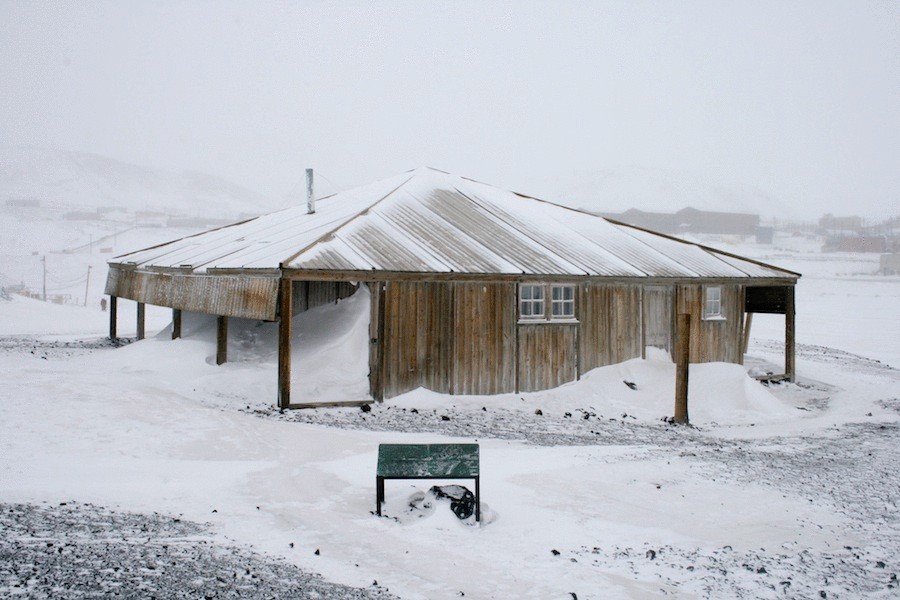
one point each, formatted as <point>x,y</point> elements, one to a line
<point>310,196</point>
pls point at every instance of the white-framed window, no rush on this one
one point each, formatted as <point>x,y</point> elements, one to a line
<point>546,302</point>
<point>712,302</point>
<point>562,302</point>
<point>531,301</point>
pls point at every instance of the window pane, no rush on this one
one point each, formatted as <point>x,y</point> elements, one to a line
<point>531,301</point>
<point>563,302</point>
<point>713,305</point>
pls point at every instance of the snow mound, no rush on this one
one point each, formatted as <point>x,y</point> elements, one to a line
<point>442,507</point>
<point>638,389</point>
<point>329,352</point>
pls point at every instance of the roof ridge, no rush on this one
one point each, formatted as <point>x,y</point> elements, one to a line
<point>331,232</point>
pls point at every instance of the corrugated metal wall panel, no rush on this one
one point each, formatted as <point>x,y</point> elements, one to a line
<point>251,297</point>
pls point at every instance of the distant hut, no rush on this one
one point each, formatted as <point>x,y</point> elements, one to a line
<point>475,290</point>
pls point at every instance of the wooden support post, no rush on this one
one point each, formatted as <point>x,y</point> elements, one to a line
<point>748,321</point>
<point>789,342</point>
<point>176,323</point>
<point>140,320</point>
<point>379,494</point>
<point>221,340</point>
<point>113,306</point>
<point>682,360</point>
<point>284,344</point>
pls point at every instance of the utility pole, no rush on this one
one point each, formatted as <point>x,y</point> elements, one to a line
<point>44,261</point>
<point>87,285</point>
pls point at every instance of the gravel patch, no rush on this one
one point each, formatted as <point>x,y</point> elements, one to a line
<point>47,347</point>
<point>77,550</point>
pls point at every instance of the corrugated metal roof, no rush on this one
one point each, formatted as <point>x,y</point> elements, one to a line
<point>428,221</point>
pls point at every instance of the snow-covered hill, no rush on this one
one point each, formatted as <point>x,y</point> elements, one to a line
<point>81,209</point>
<point>65,180</point>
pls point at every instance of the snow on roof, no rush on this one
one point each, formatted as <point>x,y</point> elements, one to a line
<point>428,221</point>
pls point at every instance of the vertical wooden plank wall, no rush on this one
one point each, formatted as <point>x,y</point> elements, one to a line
<point>417,336</point>
<point>610,317</point>
<point>547,355</point>
<point>484,352</point>
<point>718,340</point>
<point>310,294</point>
<point>625,323</point>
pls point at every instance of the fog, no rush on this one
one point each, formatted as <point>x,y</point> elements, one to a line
<point>797,99</point>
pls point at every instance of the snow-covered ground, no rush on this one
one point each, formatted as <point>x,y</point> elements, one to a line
<point>790,490</point>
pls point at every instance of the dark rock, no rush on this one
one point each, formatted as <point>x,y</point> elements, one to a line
<point>630,384</point>
<point>554,552</point>
<point>538,412</point>
<point>445,418</point>
<point>651,554</point>
<point>366,408</point>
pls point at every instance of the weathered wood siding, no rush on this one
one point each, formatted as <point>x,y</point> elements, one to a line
<point>484,352</point>
<point>465,338</point>
<point>658,313</point>
<point>310,294</point>
<point>251,297</point>
<point>417,337</point>
<point>547,355</point>
<point>448,337</point>
<point>610,317</point>
<point>714,340</point>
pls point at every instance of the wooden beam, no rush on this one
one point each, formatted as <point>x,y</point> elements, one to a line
<point>113,309</point>
<point>285,304</point>
<point>367,276</point>
<point>682,361</point>
<point>221,340</point>
<point>140,320</point>
<point>176,323</point>
<point>789,341</point>
<point>748,321</point>
<point>380,366</point>
<point>336,403</point>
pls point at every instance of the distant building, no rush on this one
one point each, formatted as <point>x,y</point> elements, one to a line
<point>690,220</point>
<point>831,224</point>
<point>30,202</point>
<point>150,218</point>
<point>890,264</point>
<point>856,243</point>
<point>765,235</point>
<point>82,215</point>
<point>197,222</point>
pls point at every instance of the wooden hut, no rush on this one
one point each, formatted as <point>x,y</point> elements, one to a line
<point>475,290</point>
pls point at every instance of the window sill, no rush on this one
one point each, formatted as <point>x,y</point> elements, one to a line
<point>548,322</point>
<point>715,318</point>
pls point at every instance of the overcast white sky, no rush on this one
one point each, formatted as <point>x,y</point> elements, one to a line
<point>798,98</point>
